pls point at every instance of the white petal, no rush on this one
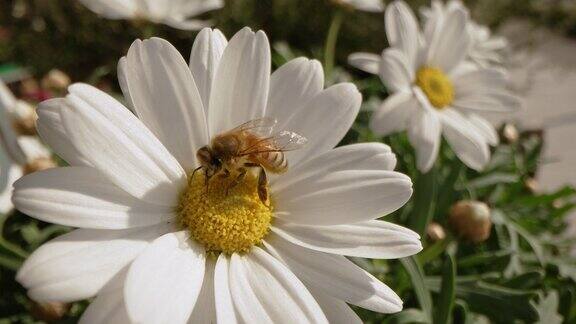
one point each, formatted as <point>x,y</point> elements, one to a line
<point>484,128</point>
<point>7,98</point>
<point>450,44</point>
<point>122,71</point>
<point>265,291</point>
<point>164,282</point>
<point>362,156</point>
<point>8,137</point>
<point>292,86</point>
<point>9,173</point>
<point>51,130</point>
<point>402,30</point>
<point>371,239</point>
<point>83,197</point>
<point>240,88</point>
<point>205,309</point>
<point>75,266</point>
<point>166,99</point>
<point>469,146</point>
<point>112,9</point>
<point>207,50</point>
<point>395,70</point>
<point>424,131</point>
<point>121,147</point>
<point>225,312</point>
<point>366,62</point>
<point>337,311</point>
<point>336,276</point>
<point>109,307</point>
<point>494,102</point>
<point>476,81</point>
<point>324,121</point>
<point>186,24</point>
<point>340,193</point>
<point>394,113</point>
<point>366,5</point>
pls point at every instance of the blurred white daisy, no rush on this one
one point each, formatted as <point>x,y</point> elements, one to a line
<point>157,245</point>
<point>485,48</point>
<point>20,151</point>
<point>434,90</point>
<point>364,5</point>
<point>174,13</point>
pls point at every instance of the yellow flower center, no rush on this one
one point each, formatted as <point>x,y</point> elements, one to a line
<point>224,217</point>
<point>436,86</point>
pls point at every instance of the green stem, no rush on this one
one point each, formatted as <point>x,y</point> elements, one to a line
<point>7,245</point>
<point>331,40</point>
<point>424,201</point>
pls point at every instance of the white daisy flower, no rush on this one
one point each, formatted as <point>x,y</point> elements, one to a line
<point>485,48</point>
<point>20,152</point>
<point>364,5</point>
<point>174,13</point>
<point>434,91</point>
<point>157,243</point>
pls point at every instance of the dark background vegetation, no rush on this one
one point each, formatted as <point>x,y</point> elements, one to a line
<point>521,274</point>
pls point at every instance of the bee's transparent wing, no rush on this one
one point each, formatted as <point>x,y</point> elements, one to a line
<point>288,141</point>
<point>261,127</point>
<point>279,142</point>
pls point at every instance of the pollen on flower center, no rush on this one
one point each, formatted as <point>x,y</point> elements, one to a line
<point>436,86</point>
<point>224,217</point>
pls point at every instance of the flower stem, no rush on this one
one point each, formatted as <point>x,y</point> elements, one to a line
<point>331,40</point>
<point>425,188</point>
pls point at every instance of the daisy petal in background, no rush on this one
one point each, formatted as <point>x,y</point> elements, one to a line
<point>363,5</point>
<point>155,244</point>
<point>485,49</point>
<point>20,150</point>
<point>434,90</point>
<point>174,13</point>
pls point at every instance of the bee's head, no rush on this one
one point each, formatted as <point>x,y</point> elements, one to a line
<point>208,160</point>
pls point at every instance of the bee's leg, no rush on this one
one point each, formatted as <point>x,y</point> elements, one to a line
<point>239,178</point>
<point>194,172</point>
<point>263,187</point>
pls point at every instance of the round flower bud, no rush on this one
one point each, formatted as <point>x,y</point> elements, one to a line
<point>56,80</point>
<point>49,312</point>
<point>532,185</point>
<point>39,164</point>
<point>510,133</point>
<point>471,220</point>
<point>435,232</point>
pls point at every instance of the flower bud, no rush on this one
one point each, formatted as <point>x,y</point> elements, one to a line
<point>49,312</point>
<point>532,185</point>
<point>56,80</point>
<point>471,220</point>
<point>510,133</point>
<point>39,164</point>
<point>435,232</point>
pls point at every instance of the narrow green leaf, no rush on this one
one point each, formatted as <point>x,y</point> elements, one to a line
<point>408,316</point>
<point>416,273</point>
<point>445,302</point>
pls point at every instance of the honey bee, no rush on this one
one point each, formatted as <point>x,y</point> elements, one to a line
<point>254,144</point>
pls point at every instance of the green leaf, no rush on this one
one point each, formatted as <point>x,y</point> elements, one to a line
<point>548,309</point>
<point>447,293</point>
<point>500,304</point>
<point>424,198</point>
<point>408,316</point>
<point>416,273</point>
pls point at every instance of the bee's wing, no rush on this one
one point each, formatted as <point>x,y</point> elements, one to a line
<point>280,142</point>
<point>261,127</point>
<point>288,141</point>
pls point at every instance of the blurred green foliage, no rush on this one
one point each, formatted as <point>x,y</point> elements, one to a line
<point>521,274</point>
